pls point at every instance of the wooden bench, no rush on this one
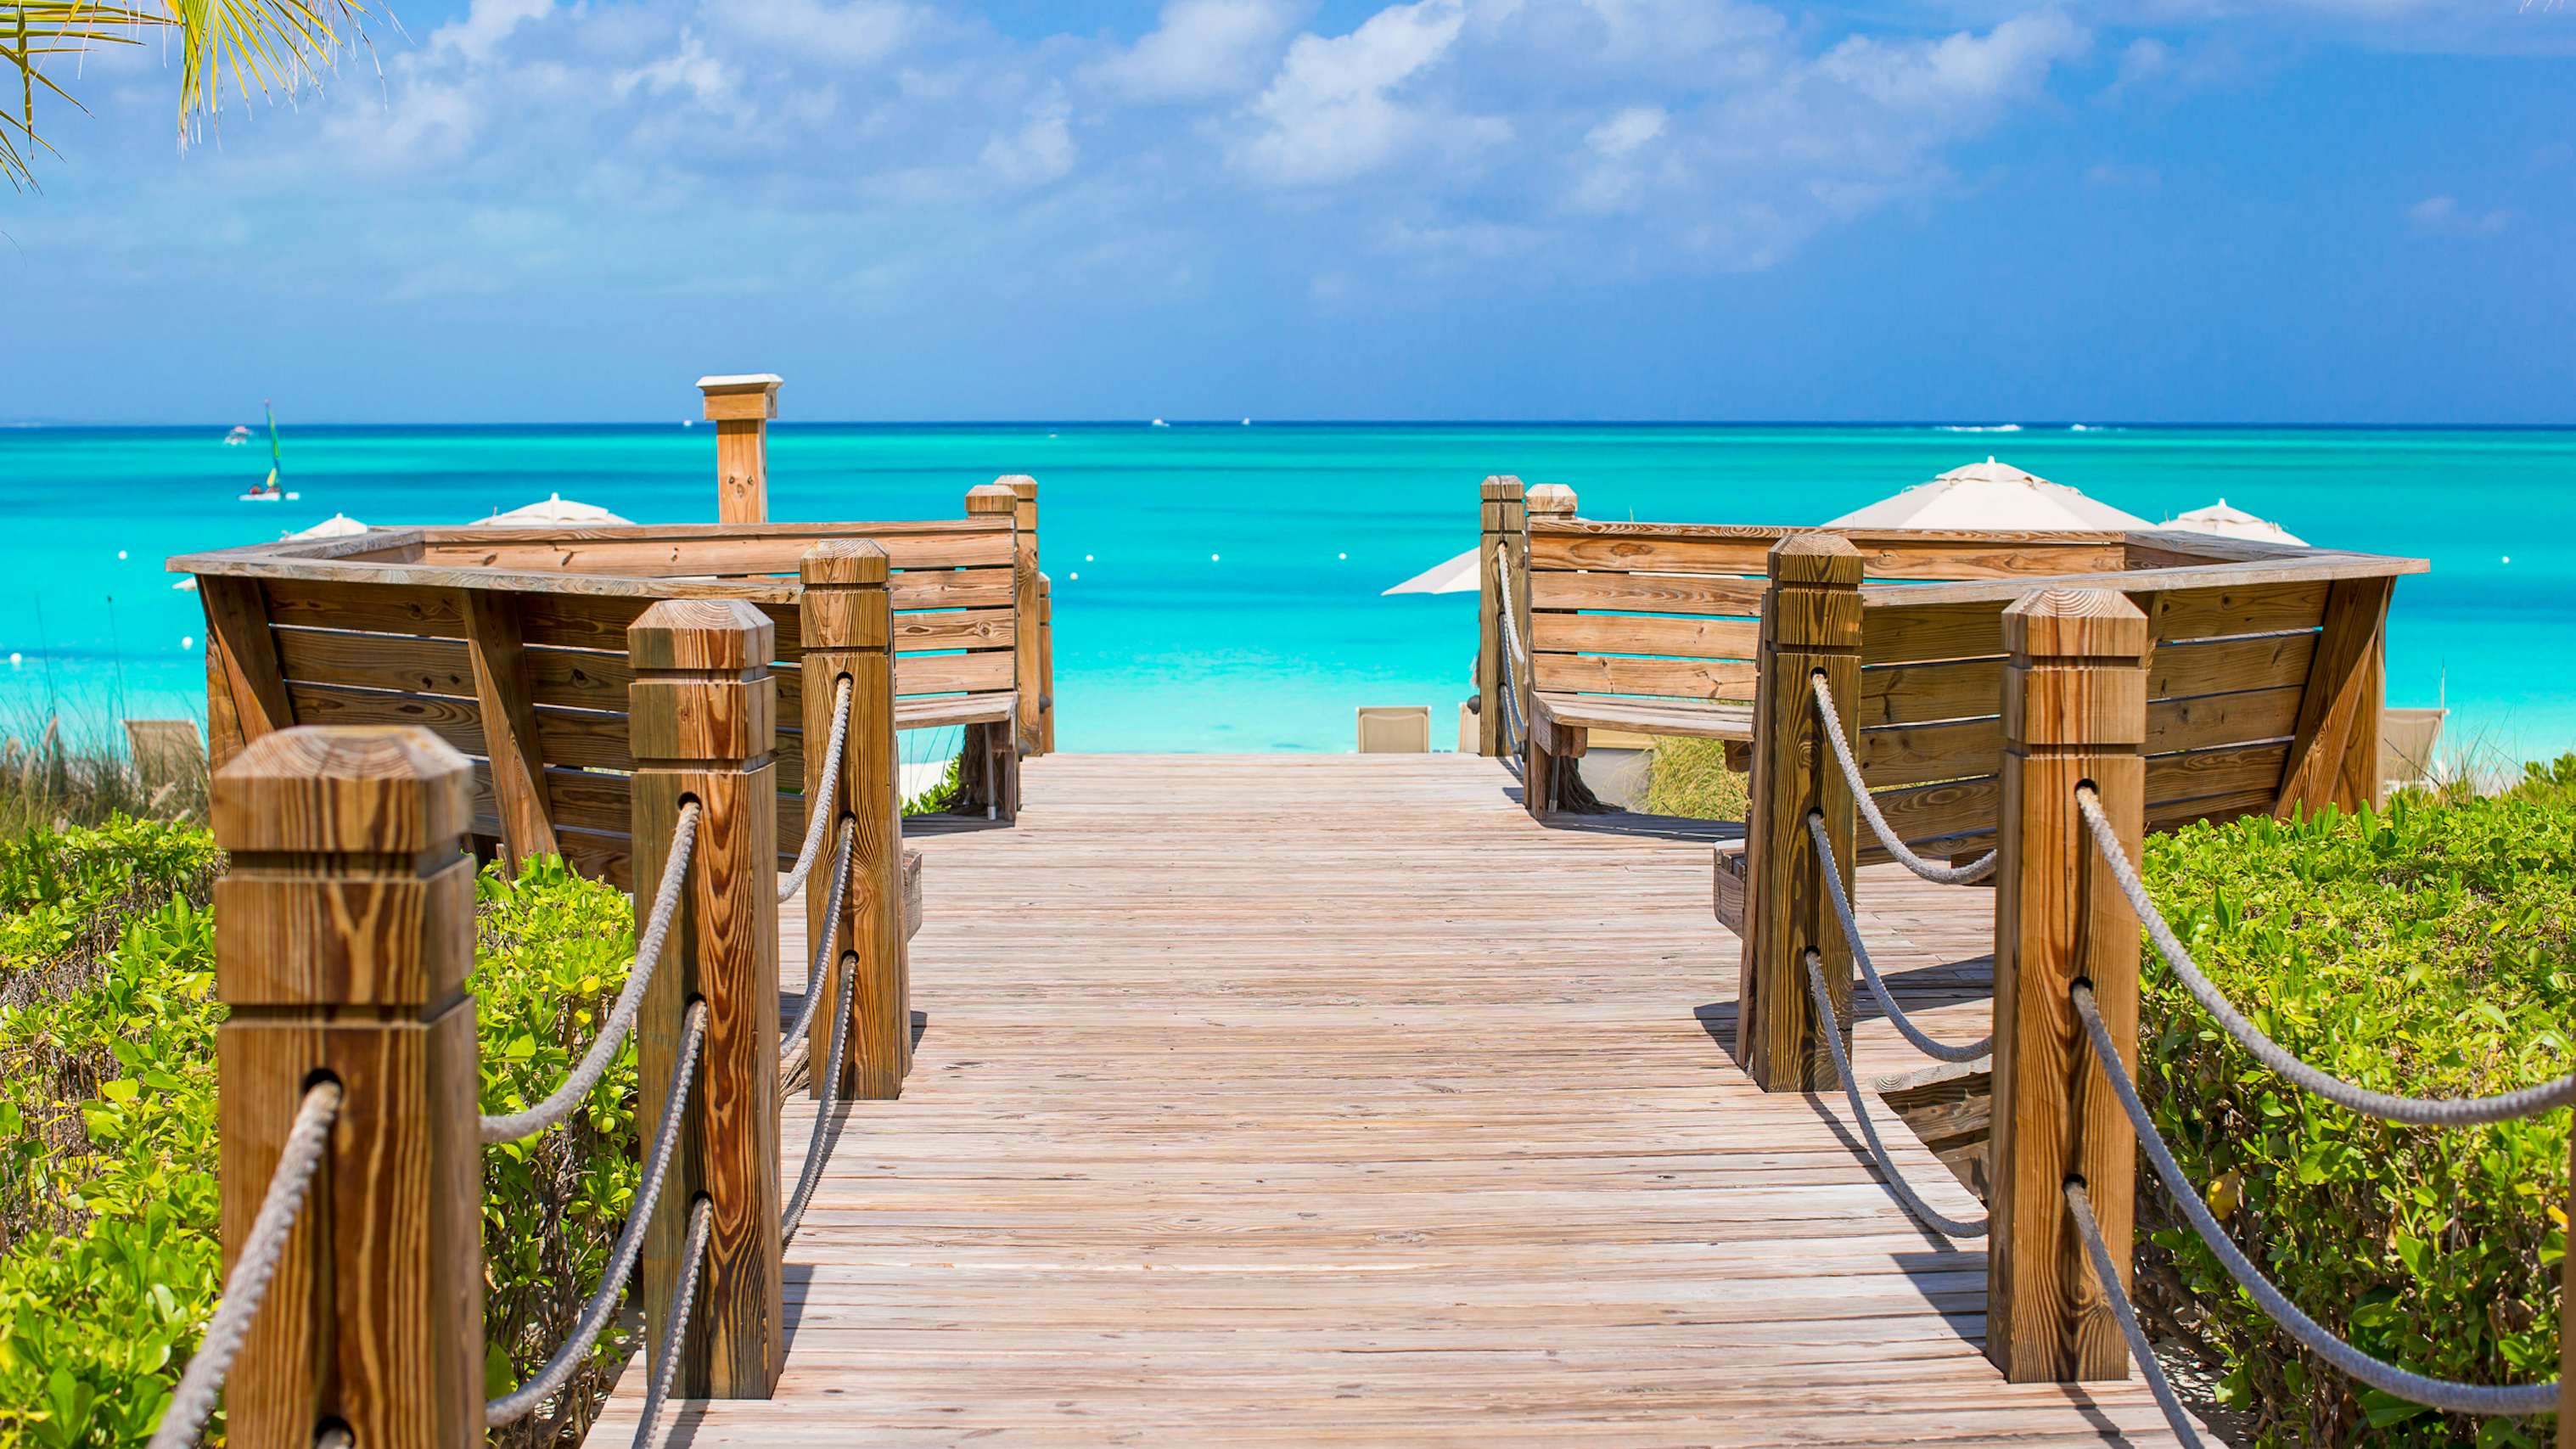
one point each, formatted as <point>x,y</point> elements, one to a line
<point>509,643</point>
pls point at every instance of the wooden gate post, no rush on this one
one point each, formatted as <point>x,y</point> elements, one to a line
<point>1046,665</point>
<point>990,771</point>
<point>703,714</point>
<point>741,406</point>
<point>1505,524</point>
<point>346,929</point>
<point>1811,622</point>
<point>848,623</point>
<point>1028,668</point>
<point>1553,501</point>
<point>2074,712</point>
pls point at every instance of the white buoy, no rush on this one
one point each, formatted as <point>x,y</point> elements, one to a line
<point>15,658</point>
<point>1086,558</point>
<point>1076,576</point>
<point>2508,558</point>
<point>120,555</point>
<point>1211,558</point>
<point>187,641</point>
<point>1341,555</point>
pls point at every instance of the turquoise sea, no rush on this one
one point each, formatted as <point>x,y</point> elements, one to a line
<point>1217,585</point>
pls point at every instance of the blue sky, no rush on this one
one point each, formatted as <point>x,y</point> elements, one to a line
<point>1971,210</point>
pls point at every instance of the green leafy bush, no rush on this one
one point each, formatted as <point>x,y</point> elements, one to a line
<point>2424,950</point>
<point>104,1295</point>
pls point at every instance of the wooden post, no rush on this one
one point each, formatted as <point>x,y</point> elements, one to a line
<point>741,406</point>
<point>990,770</point>
<point>346,931</point>
<point>245,687</point>
<point>1811,621</point>
<point>703,716</point>
<point>848,624</point>
<point>2074,712</point>
<point>2334,753</point>
<point>1504,524</point>
<point>1028,669</point>
<point>1552,500</point>
<point>505,694</point>
<point>1046,665</point>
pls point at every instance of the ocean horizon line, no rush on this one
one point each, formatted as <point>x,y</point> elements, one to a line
<point>2007,428</point>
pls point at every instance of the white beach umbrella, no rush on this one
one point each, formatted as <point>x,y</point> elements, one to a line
<point>553,508</point>
<point>338,525</point>
<point>2228,522</point>
<point>1991,495</point>
<point>1458,576</point>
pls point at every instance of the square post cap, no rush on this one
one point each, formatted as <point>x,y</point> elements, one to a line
<point>1501,487</point>
<point>843,561</point>
<point>737,396</point>
<point>991,498</point>
<point>1553,499</point>
<point>345,790</point>
<point>2064,623</point>
<point>1816,557</point>
<point>724,636</point>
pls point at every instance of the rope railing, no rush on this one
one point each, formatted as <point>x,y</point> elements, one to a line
<point>558,1368</point>
<point>2447,1395</point>
<point>194,1400</point>
<point>586,1073</point>
<point>1897,1186</point>
<point>1922,1041</point>
<point>811,1174</point>
<point>2388,1107</point>
<point>666,1367</point>
<point>824,940</point>
<point>818,810</point>
<point>2106,1272</point>
<point>1967,874</point>
<point>1514,663</point>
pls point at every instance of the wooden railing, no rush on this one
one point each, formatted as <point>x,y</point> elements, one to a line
<point>508,643</point>
<point>345,934</point>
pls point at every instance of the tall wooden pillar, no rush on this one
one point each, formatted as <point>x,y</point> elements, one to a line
<point>2075,713</point>
<point>703,717</point>
<point>346,929</point>
<point>848,625</point>
<point>741,407</point>
<point>1504,526</point>
<point>1028,669</point>
<point>990,770</point>
<point>1811,622</point>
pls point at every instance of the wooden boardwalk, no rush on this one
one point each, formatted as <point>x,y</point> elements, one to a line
<point>1331,1100</point>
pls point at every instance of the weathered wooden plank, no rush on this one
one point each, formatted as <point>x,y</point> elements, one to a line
<point>1649,717</point>
<point>1677,678</point>
<point>1961,688</point>
<point>1915,754</point>
<point>1692,638</point>
<point>2334,751</point>
<point>1649,593</point>
<point>1910,630</point>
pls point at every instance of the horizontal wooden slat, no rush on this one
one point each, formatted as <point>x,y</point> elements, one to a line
<point>573,738</point>
<point>939,711</point>
<point>1883,557</point>
<point>1959,688</point>
<point>1648,593</point>
<point>2251,609</point>
<point>952,673</point>
<point>1915,754</point>
<point>1967,807</point>
<point>1641,547</point>
<point>1645,634</point>
<point>1902,633</point>
<point>1690,721</point>
<point>1678,678</point>
<point>382,608</point>
<point>719,555</point>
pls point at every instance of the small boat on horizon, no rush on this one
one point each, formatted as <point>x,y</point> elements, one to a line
<point>238,436</point>
<point>269,490</point>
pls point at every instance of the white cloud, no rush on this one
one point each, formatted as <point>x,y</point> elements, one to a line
<point>1962,74</point>
<point>487,23</point>
<point>1332,113</point>
<point>859,31</point>
<point>2442,216</point>
<point>1201,49</point>
<point>1037,153</point>
<point>1628,130</point>
<point>690,70</point>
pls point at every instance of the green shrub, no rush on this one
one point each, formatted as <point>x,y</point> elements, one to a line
<point>1689,778</point>
<point>2424,950</point>
<point>105,1295</point>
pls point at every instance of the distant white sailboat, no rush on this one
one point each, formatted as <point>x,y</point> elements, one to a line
<point>269,490</point>
<point>238,436</point>
<point>1158,422</point>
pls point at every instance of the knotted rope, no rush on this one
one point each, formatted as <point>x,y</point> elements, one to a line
<point>2444,1394</point>
<point>818,810</point>
<point>253,1271</point>
<point>1923,1042</point>
<point>516,1404</point>
<point>2388,1107</point>
<point>1896,1183</point>
<point>511,1126</point>
<point>1969,874</point>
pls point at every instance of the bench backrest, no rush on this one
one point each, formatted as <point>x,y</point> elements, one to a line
<point>510,644</point>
